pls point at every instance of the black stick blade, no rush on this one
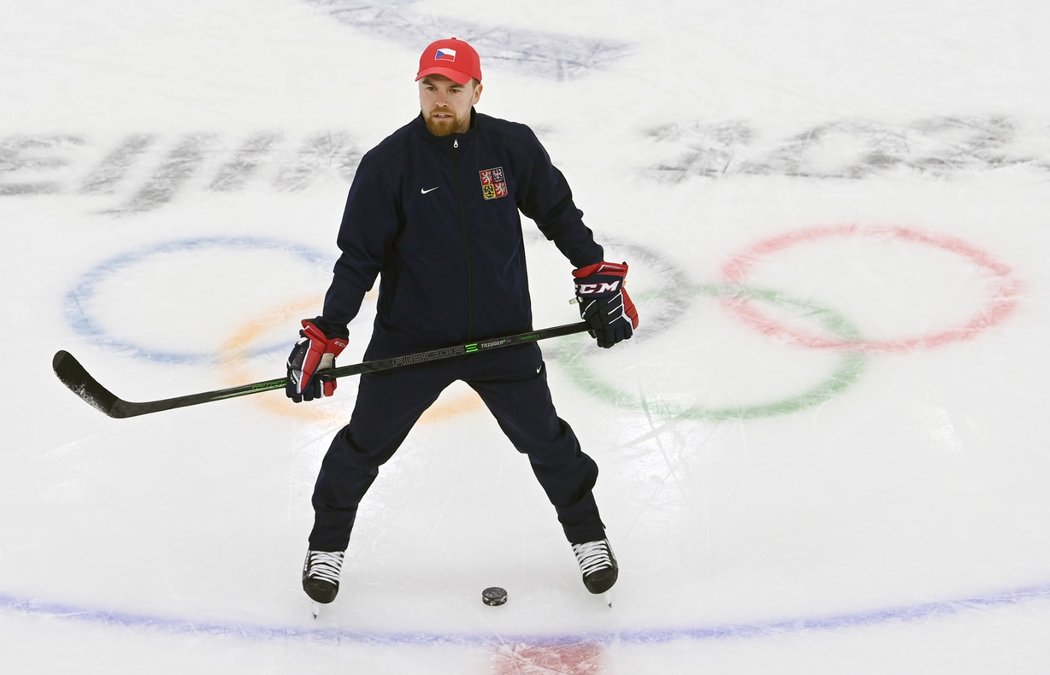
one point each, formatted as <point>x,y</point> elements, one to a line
<point>80,382</point>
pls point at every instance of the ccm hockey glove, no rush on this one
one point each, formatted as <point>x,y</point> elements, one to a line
<point>312,353</point>
<point>604,303</point>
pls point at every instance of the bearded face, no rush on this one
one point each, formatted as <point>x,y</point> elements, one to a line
<point>446,104</point>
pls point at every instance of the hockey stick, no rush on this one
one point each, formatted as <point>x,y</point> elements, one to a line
<point>81,383</point>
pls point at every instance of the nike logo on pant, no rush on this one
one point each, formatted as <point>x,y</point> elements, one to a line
<point>423,192</point>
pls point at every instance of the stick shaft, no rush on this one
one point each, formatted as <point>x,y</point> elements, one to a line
<point>81,383</point>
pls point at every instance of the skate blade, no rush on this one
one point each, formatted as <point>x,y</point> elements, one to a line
<point>607,597</point>
<point>315,609</point>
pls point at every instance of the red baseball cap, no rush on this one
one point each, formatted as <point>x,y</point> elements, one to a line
<point>455,59</point>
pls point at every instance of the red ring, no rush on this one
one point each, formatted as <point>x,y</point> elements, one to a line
<point>1004,299</point>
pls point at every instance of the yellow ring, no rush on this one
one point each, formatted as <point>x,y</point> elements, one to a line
<point>234,373</point>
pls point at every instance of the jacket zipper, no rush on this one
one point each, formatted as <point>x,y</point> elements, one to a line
<point>466,237</point>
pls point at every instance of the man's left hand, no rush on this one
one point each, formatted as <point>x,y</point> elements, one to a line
<point>604,303</point>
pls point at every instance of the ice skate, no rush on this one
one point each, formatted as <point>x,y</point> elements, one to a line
<point>321,576</point>
<point>598,565</point>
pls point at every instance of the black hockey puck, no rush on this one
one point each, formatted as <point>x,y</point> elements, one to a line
<point>494,596</point>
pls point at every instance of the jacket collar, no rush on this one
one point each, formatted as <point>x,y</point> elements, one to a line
<point>447,141</point>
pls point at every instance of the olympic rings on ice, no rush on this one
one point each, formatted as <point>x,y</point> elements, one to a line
<point>824,328</point>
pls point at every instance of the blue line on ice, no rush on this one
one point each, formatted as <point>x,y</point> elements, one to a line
<point>176,625</point>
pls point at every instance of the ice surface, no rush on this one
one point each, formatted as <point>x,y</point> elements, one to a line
<point>825,451</point>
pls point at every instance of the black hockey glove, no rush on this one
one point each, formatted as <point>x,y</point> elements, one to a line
<point>604,303</point>
<point>313,352</point>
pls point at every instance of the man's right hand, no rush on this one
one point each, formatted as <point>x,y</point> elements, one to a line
<point>314,352</point>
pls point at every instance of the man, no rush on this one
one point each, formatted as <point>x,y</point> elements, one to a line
<point>434,212</point>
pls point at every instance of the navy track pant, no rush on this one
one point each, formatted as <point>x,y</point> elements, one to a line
<point>513,385</point>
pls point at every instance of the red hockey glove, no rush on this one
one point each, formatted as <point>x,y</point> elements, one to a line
<point>604,302</point>
<point>313,352</point>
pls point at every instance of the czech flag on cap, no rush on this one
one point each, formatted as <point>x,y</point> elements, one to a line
<point>452,58</point>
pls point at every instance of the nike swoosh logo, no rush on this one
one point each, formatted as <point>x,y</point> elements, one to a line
<point>423,192</point>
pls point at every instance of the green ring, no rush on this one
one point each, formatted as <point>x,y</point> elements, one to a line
<point>847,372</point>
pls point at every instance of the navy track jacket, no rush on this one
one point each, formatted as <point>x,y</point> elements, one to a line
<point>438,219</point>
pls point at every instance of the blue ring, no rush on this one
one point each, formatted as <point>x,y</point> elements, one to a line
<point>85,288</point>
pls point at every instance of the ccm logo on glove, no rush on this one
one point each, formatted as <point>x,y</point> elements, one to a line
<point>591,289</point>
<point>604,302</point>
